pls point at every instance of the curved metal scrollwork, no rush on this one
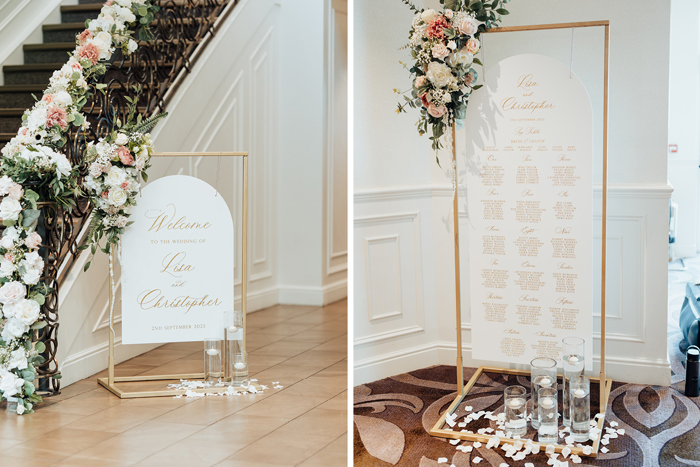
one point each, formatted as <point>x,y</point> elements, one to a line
<point>156,68</point>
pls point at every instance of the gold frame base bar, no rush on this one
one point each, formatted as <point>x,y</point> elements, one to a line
<point>438,431</point>
<point>104,382</point>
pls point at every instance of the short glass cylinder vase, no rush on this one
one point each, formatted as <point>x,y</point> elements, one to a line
<point>212,360</point>
<point>11,405</point>
<point>548,414</point>
<point>240,369</point>
<point>543,374</point>
<point>515,400</point>
<point>580,397</point>
<point>233,341</point>
<point>574,364</point>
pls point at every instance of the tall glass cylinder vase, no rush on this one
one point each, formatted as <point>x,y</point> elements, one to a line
<point>580,397</point>
<point>212,360</point>
<point>574,364</point>
<point>548,414</point>
<point>543,374</point>
<point>515,400</point>
<point>233,341</point>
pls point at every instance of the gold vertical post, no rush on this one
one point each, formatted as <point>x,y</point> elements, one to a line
<point>603,399</point>
<point>110,359</point>
<point>458,302</point>
<point>244,256</point>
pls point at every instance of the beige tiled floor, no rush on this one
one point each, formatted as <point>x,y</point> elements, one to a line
<point>305,423</point>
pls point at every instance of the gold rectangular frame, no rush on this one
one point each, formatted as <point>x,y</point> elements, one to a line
<point>604,388</point>
<point>109,383</point>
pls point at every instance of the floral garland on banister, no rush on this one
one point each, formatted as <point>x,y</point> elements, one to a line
<point>443,45</point>
<point>33,169</point>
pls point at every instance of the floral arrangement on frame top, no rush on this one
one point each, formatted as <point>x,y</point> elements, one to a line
<point>443,45</point>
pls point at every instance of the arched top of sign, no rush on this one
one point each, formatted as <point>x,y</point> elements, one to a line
<point>177,263</point>
<point>525,88</point>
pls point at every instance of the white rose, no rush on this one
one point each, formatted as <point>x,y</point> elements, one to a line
<point>31,276</point>
<point>81,83</point>
<point>440,74</point>
<point>62,98</point>
<point>117,196</point>
<point>12,292</point>
<point>115,177</point>
<point>122,139</point>
<point>132,46</point>
<point>18,359</point>
<point>124,3</point>
<point>10,209</point>
<point>63,165</point>
<point>26,154</point>
<point>5,184</point>
<point>462,58</point>
<point>20,409</point>
<point>13,329</point>
<point>7,268</point>
<point>469,26</point>
<point>36,118</point>
<point>12,233</point>
<point>10,384</point>
<point>428,16</point>
<point>33,261</point>
<point>26,311</point>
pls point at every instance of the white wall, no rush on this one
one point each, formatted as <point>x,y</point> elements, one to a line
<point>243,95</point>
<point>403,239</point>
<point>684,121</point>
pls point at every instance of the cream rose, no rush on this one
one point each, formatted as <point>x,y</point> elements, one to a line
<point>115,177</point>
<point>33,240</point>
<point>18,359</point>
<point>469,26</point>
<point>472,45</point>
<point>462,58</point>
<point>122,139</point>
<point>440,51</point>
<point>31,276</point>
<point>117,196</point>
<point>10,209</point>
<point>428,16</point>
<point>62,98</point>
<point>13,329</point>
<point>439,74</point>
<point>26,311</point>
<point>12,292</point>
<point>7,268</point>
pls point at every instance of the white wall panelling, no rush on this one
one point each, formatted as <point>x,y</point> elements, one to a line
<point>231,101</point>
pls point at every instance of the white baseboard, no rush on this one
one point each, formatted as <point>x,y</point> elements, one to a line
<point>92,360</point>
<point>638,371</point>
<point>313,296</point>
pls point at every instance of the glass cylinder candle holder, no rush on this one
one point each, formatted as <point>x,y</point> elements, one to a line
<point>580,397</point>
<point>240,369</point>
<point>11,405</point>
<point>573,348</point>
<point>515,400</point>
<point>548,414</point>
<point>233,341</point>
<point>212,360</point>
<point>543,374</point>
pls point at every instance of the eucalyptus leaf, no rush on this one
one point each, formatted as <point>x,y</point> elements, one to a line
<point>28,388</point>
<point>30,217</point>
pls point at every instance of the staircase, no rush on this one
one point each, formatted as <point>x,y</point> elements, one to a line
<point>158,67</point>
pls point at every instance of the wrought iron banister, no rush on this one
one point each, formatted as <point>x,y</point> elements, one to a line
<point>181,29</point>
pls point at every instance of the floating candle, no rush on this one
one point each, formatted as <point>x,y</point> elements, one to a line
<point>239,366</point>
<point>545,382</point>
<point>547,402</point>
<point>579,393</point>
<point>212,352</point>
<point>573,360</point>
<point>515,403</point>
<point>232,329</point>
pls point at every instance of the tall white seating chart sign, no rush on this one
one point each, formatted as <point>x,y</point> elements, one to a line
<point>529,199</point>
<point>177,263</point>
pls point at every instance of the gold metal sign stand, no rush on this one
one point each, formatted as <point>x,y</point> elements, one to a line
<point>604,384</point>
<point>110,382</point>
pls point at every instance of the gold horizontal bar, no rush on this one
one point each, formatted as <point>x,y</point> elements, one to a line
<point>540,27</point>
<point>199,154</point>
<point>104,382</point>
<point>130,379</point>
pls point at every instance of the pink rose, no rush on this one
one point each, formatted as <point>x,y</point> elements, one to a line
<point>420,81</point>
<point>90,52</point>
<point>85,35</point>
<point>472,45</point>
<point>436,111</point>
<point>48,98</point>
<point>469,26</point>
<point>16,191</point>
<point>9,256</point>
<point>125,185</point>
<point>56,116</point>
<point>424,99</point>
<point>125,156</point>
<point>105,194</point>
<point>440,51</point>
<point>33,241</point>
<point>12,292</point>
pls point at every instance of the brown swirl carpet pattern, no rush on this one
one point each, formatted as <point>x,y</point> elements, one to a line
<point>393,417</point>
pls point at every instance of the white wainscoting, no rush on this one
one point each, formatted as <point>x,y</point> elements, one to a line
<point>636,285</point>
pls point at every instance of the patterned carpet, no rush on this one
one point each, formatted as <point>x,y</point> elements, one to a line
<point>393,415</point>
